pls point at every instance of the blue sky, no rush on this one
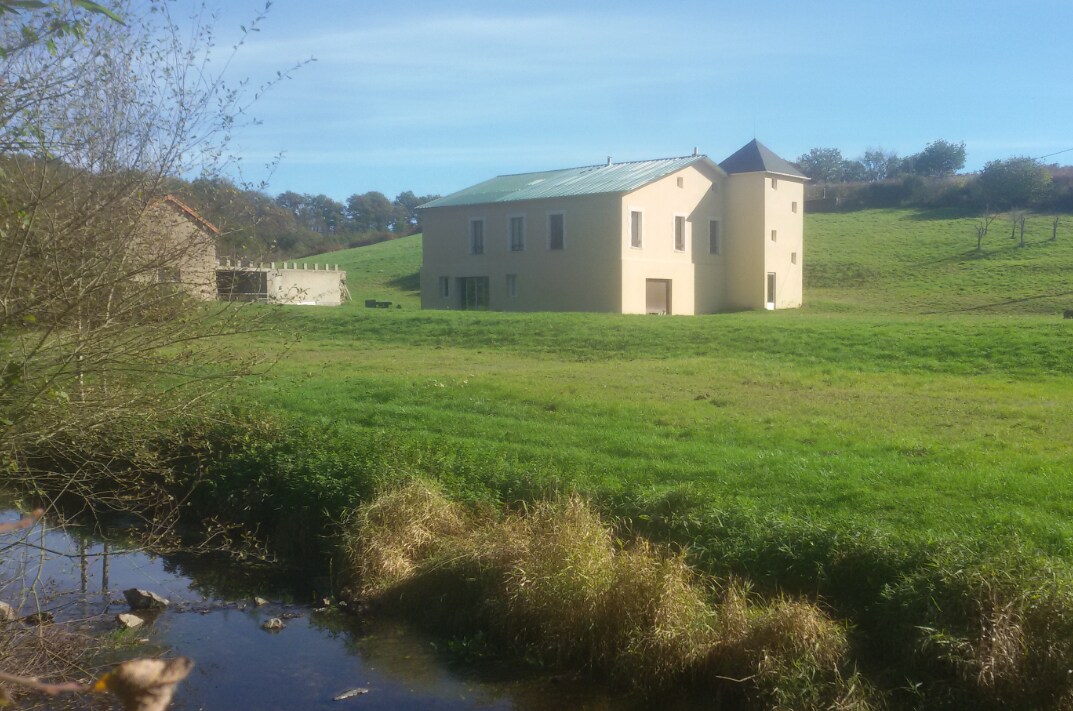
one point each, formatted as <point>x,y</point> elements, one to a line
<point>433,96</point>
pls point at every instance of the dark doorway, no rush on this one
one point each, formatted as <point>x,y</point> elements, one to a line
<point>657,296</point>
<point>473,293</point>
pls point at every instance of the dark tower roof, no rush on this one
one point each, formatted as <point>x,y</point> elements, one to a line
<point>755,157</point>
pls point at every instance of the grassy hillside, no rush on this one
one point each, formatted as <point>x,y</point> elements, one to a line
<point>868,406</point>
<point>926,262</point>
<point>899,447</point>
<point>388,271</point>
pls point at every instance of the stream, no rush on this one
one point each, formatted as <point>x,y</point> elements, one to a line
<point>320,654</point>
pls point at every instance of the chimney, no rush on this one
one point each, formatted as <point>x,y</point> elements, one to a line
<point>695,154</point>
<point>609,160</point>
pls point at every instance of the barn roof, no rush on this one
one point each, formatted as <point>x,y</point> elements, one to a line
<point>180,206</point>
<point>569,182</point>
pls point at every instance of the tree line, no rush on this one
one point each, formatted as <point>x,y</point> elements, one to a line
<point>937,159</point>
<point>931,178</point>
<point>255,225</point>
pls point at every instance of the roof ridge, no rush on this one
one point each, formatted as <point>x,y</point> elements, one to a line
<point>602,165</point>
<point>190,212</point>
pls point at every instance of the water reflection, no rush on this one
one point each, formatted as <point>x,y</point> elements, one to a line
<point>316,657</point>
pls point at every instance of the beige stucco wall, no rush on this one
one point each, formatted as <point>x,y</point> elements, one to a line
<point>319,287</point>
<point>743,240</point>
<point>784,213</point>
<point>583,276</point>
<point>695,276</point>
<point>757,209</point>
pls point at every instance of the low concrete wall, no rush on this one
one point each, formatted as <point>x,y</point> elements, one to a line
<point>289,283</point>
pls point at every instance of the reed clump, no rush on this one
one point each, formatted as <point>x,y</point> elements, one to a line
<point>1014,645</point>
<point>390,539</point>
<point>555,582</point>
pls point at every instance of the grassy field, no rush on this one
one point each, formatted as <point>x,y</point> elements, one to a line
<point>898,449</point>
<point>923,390</point>
<point>386,272</point>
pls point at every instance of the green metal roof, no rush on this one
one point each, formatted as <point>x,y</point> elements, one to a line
<point>570,182</point>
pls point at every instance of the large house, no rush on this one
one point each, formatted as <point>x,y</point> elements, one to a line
<point>670,236</point>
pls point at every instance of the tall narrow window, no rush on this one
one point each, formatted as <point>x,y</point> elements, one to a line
<point>512,285</point>
<point>445,287</point>
<point>679,233</point>
<point>771,290</point>
<point>556,231</point>
<point>774,235</point>
<point>635,229</point>
<point>517,234</point>
<point>713,237</point>
<point>476,236</point>
<point>793,207</point>
<point>774,183</point>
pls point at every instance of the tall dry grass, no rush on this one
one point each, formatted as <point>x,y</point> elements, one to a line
<point>556,582</point>
<point>389,540</point>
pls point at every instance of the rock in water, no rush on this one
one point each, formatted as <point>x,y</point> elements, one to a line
<point>259,602</point>
<point>128,621</point>
<point>139,599</point>
<point>7,613</point>
<point>39,618</point>
<point>350,693</point>
<point>273,625</point>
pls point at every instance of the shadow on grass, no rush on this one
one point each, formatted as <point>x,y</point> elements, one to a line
<point>994,247</point>
<point>1007,302</point>
<point>407,282</point>
<point>942,213</point>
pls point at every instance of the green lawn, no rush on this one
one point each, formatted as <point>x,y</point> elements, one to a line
<point>924,390</point>
<point>899,448</point>
<point>386,272</point>
<point>926,262</point>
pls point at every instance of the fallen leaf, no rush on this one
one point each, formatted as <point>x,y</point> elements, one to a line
<point>145,684</point>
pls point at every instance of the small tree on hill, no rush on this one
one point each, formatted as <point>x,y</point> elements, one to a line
<point>983,226</point>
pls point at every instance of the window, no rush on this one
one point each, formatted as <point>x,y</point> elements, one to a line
<point>713,237</point>
<point>793,207</point>
<point>679,233</point>
<point>793,257</point>
<point>774,183</point>
<point>635,229</point>
<point>771,290</point>
<point>473,293</point>
<point>512,285</point>
<point>476,236</point>
<point>517,234</point>
<point>681,182</point>
<point>445,287</point>
<point>556,230</point>
<point>774,235</point>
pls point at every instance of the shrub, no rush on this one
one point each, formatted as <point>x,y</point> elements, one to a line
<point>387,540</point>
<point>556,583</point>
